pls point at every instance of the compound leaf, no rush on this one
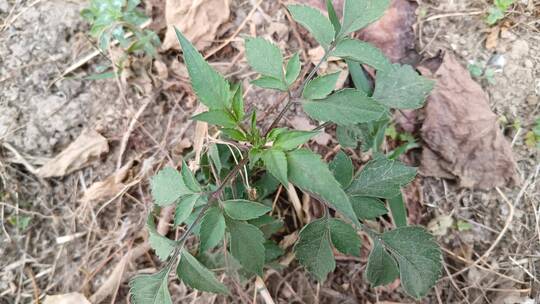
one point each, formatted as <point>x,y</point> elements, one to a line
<point>212,228</point>
<point>216,117</point>
<point>211,88</point>
<point>401,87</point>
<point>344,237</point>
<point>345,107</point>
<point>321,86</point>
<point>151,288</point>
<point>357,14</point>
<point>315,22</point>
<point>381,268</point>
<point>167,186</point>
<point>313,249</point>
<point>196,276</point>
<point>367,208</point>
<point>276,163</point>
<point>292,139</point>
<point>362,52</point>
<point>264,57</point>
<point>381,177</point>
<point>247,245</point>
<point>342,168</point>
<point>292,71</point>
<point>309,172</point>
<point>418,257</point>
<point>244,210</point>
<point>268,82</point>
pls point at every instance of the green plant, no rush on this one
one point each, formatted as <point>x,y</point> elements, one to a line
<point>497,11</point>
<point>120,20</point>
<point>482,71</point>
<point>234,214</point>
<point>532,138</point>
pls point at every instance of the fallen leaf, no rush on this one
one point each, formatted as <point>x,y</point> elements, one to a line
<point>462,138</point>
<point>439,226</point>
<point>394,33</point>
<point>87,147</point>
<point>107,188</point>
<point>493,38</point>
<point>197,20</point>
<point>302,123</point>
<point>68,298</point>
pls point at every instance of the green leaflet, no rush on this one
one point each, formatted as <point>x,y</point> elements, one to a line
<point>399,212</point>
<point>275,162</point>
<point>345,107</point>
<point>189,178</point>
<point>342,168</point>
<point>247,245</point>
<point>347,136</point>
<point>211,88</point>
<point>381,177</point>
<point>321,86</point>
<point>418,257</point>
<point>267,224</point>
<point>238,102</point>
<point>367,208</point>
<point>272,251</point>
<point>401,87</point>
<point>359,78</point>
<point>292,139</point>
<point>292,71</point>
<point>216,117</point>
<point>196,276</point>
<point>212,228</point>
<point>357,14</point>
<point>161,244</point>
<point>332,15</point>
<point>184,208</point>
<point>344,237</point>
<point>381,268</point>
<point>264,57</point>
<point>313,249</point>
<point>167,186</point>
<point>244,210</point>
<point>234,134</point>
<point>362,52</point>
<point>315,22</point>
<point>310,173</point>
<point>268,82</point>
<point>151,288</point>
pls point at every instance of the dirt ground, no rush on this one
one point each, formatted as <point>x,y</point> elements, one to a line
<point>52,241</point>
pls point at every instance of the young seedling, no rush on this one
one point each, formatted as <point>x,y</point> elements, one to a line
<point>120,21</point>
<point>227,202</point>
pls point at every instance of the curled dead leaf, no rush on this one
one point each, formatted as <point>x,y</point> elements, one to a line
<point>80,153</point>
<point>107,188</point>
<point>198,20</point>
<point>462,138</point>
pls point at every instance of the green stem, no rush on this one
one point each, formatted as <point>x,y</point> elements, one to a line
<point>299,92</point>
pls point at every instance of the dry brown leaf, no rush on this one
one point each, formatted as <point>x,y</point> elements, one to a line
<point>394,33</point>
<point>197,20</point>
<point>107,188</point>
<point>461,134</point>
<point>68,298</point>
<point>87,147</point>
<point>493,38</point>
